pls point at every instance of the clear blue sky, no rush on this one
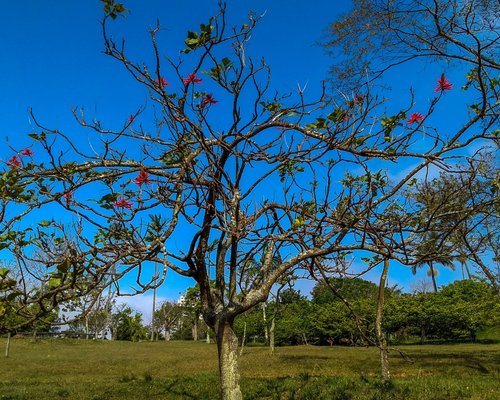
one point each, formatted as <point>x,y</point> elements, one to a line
<point>52,60</point>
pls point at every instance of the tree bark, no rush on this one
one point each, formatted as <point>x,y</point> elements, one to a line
<point>381,341</point>
<point>229,373</point>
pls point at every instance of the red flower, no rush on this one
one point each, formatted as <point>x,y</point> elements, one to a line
<point>14,162</point>
<point>208,99</point>
<point>68,197</point>
<point>143,177</point>
<point>443,84</point>
<point>123,203</point>
<point>27,152</point>
<point>191,79</point>
<point>161,81</point>
<point>131,119</point>
<point>358,99</point>
<point>415,117</point>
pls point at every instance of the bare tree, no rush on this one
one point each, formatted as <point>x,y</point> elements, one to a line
<point>220,167</point>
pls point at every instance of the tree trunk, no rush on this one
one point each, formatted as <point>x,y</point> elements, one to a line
<point>86,327</point>
<point>167,334</point>
<point>7,345</point>
<point>271,335</point>
<point>153,313</point>
<point>208,337</point>
<point>264,318</point>
<point>433,276</point>
<point>304,338</point>
<point>422,334</point>
<point>229,373</point>
<point>381,341</point>
<point>243,339</point>
<point>194,330</point>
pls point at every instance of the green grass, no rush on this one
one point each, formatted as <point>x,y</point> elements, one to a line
<point>95,370</point>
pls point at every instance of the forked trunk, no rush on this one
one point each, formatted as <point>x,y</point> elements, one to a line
<point>229,372</point>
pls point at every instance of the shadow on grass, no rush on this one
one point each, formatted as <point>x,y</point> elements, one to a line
<point>200,387</point>
<point>483,363</point>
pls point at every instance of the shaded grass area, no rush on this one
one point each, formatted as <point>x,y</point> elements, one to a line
<point>95,370</point>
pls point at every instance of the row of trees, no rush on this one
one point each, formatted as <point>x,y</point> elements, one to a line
<point>458,311</point>
<point>345,315</point>
<point>221,138</point>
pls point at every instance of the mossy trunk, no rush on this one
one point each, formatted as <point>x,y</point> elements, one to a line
<point>229,372</point>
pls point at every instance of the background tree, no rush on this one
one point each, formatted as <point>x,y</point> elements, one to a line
<point>167,316</point>
<point>379,35</point>
<point>128,325</point>
<point>459,219</point>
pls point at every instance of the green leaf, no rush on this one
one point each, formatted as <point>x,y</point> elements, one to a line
<point>337,116</point>
<point>271,107</point>
<point>12,296</point>
<point>227,63</point>
<point>298,222</point>
<point>44,223</point>
<point>54,282</point>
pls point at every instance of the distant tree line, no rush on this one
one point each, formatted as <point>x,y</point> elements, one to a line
<point>457,312</point>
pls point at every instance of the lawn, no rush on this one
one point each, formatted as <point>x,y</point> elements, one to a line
<point>102,370</point>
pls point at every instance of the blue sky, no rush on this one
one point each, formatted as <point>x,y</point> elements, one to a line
<point>52,61</point>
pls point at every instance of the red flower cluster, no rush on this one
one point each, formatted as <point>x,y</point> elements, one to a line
<point>131,119</point>
<point>358,99</point>
<point>27,152</point>
<point>123,203</point>
<point>191,79</point>
<point>443,84</point>
<point>68,197</point>
<point>161,81</point>
<point>14,162</point>
<point>208,99</point>
<point>143,177</point>
<point>416,117</point>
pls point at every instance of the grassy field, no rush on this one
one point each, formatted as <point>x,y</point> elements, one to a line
<point>100,370</point>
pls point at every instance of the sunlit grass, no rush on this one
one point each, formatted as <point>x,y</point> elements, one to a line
<point>94,370</point>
